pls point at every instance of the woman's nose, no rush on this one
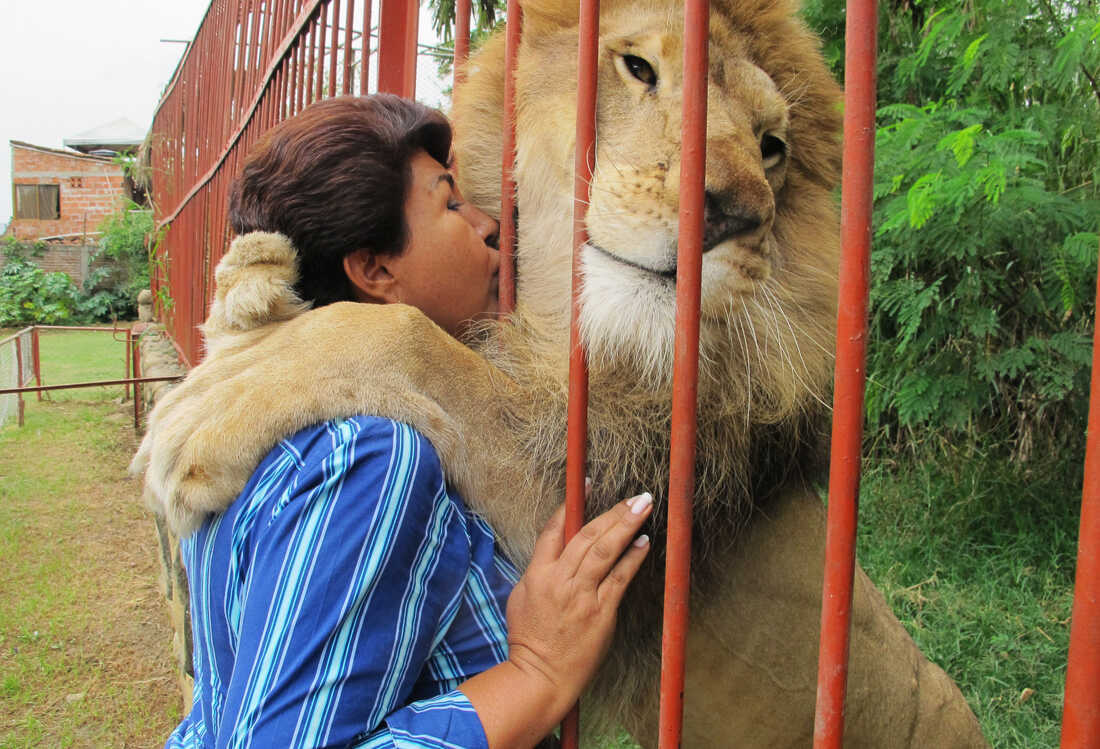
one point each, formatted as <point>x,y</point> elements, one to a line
<point>483,223</point>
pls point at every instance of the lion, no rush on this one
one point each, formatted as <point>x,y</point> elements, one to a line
<point>496,412</point>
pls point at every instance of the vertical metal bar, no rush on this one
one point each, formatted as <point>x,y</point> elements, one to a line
<point>584,162</point>
<point>462,39</point>
<point>346,89</point>
<point>126,388</point>
<point>364,69</point>
<point>512,33</point>
<point>397,35</point>
<point>36,359</point>
<point>685,371</point>
<point>19,375</point>
<point>335,47</point>
<point>137,386</point>
<point>300,74</point>
<point>319,53</point>
<point>851,355</point>
<point>311,57</point>
<point>1081,713</point>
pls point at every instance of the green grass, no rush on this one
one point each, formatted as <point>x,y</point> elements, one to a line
<point>82,356</point>
<point>84,638</point>
<point>977,559</point>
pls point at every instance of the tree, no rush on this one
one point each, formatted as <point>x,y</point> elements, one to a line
<point>986,206</point>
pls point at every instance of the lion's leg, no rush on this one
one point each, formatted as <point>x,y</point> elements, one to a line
<point>752,653</point>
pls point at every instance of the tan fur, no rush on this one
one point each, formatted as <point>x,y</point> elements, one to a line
<point>498,422</point>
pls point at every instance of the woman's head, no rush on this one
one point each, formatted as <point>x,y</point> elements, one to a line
<point>334,179</point>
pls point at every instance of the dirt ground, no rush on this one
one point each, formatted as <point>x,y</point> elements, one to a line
<point>85,642</point>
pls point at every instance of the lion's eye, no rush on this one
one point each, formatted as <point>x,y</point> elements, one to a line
<point>772,149</point>
<point>641,70</point>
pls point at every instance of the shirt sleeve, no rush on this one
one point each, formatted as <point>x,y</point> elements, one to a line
<point>351,583</point>
<point>444,722</point>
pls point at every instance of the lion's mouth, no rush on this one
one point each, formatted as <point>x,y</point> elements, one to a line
<point>669,273</point>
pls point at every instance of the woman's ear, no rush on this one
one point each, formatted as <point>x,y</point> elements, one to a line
<point>370,279</point>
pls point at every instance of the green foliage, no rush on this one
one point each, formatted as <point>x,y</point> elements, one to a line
<point>986,206</point>
<point>111,289</point>
<point>121,268</point>
<point>29,294</point>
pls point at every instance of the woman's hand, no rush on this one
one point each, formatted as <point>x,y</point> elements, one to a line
<point>562,612</point>
<point>561,616</point>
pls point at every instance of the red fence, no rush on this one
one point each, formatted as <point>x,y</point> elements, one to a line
<point>255,62</point>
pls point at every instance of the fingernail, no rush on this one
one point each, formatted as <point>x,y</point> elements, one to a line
<point>641,541</point>
<point>639,504</point>
<point>587,482</point>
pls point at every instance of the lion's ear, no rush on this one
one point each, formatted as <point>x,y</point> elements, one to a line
<point>548,14</point>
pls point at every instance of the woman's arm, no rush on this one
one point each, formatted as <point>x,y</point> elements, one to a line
<point>561,617</point>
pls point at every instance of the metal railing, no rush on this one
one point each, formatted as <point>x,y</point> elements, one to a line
<point>256,62</point>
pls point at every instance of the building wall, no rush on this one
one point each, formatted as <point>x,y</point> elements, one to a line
<point>90,189</point>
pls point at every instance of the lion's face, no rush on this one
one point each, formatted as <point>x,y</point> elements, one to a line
<point>772,157</point>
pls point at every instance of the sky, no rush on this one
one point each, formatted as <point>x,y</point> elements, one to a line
<point>67,66</point>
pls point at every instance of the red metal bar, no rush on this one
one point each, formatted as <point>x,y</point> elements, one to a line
<point>36,358</point>
<point>1081,713</point>
<point>129,351</point>
<point>137,385</point>
<point>512,33</point>
<point>364,69</point>
<point>335,47</point>
<point>322,25</point>
<point>18,376</point>
<point>312,92</point>
<point>583,166</point>
<point>851,355</point>
<point>346,87</point>
<point>397,35</point>
<point>98,383</point>
<point>685,371</point>
<point>462,39</point>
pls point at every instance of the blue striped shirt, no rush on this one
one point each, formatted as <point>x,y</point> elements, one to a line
<point>342,598</point>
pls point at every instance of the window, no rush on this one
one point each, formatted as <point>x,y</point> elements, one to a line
<point>37,201</point>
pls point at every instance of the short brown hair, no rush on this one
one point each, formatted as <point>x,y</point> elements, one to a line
<point>334,179</point>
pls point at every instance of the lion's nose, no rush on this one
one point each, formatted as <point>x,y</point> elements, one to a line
<point>726,219</point>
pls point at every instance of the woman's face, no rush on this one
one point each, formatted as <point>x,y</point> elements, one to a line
<point>446,270</point>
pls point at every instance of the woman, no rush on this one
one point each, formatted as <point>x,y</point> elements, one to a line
<point>348,597</point>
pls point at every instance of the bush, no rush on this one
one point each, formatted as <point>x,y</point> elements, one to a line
<point>29,294</point>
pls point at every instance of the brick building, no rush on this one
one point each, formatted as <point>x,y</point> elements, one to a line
<point>60,196</point>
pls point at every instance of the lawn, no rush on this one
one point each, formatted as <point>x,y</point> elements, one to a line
<point>84,636</point>
<point>977,562</point>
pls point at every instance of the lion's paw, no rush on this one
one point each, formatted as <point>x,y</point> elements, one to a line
<point>255,285</point>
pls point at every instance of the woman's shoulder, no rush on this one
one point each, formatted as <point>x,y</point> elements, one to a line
<point>360,437</point>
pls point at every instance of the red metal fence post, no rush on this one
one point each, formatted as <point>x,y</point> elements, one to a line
<point>1081,712</point>
<point>19,375</point>
<point>397,36</point>
<point>36,359</point>
<point>513,28</point>
<point>136,344</point>
<point>584,163</point>
<point>851,334</point>
<point>129,352</point>
<point>462,38</point>
<point>685,372</point>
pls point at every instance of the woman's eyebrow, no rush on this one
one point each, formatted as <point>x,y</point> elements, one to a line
<point>445,177</point>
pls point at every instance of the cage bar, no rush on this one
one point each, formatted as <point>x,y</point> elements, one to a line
<point>685,372</point>
<point>584,165</point>
<point>512,32</point>
<point>851,354</point>
<point>1081,712</point>
<point>462,39</point>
